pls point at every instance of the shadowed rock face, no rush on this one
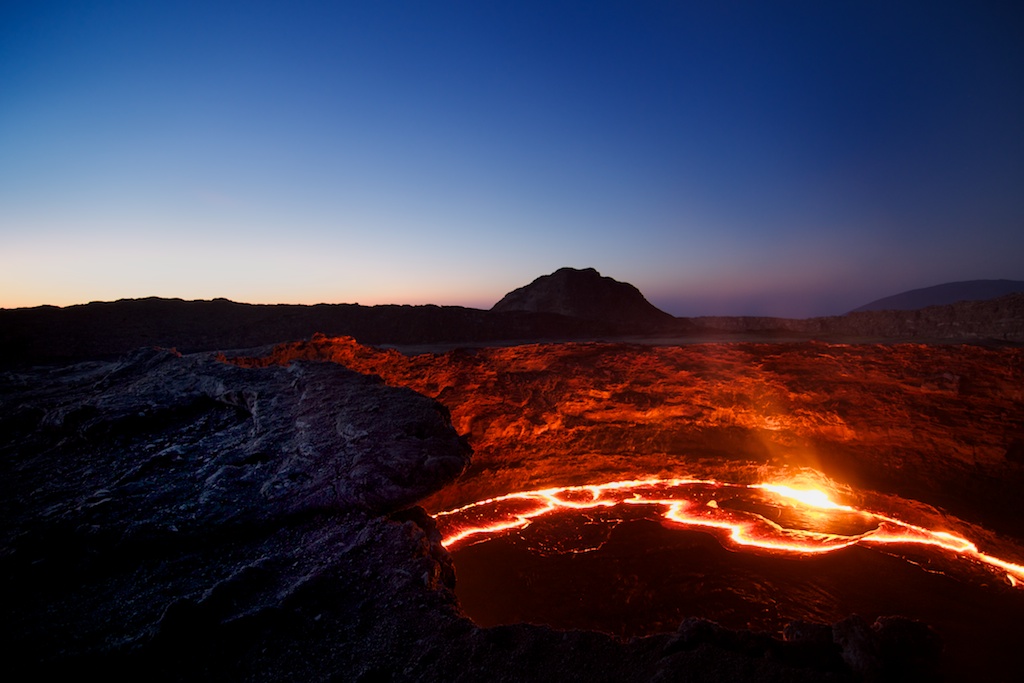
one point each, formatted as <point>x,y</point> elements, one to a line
<point>162,508</point>
<point>191,442</point>
<point>584,294</point>
<point>179,518</point>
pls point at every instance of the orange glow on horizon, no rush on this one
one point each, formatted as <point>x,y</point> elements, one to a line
<point>697,503</point>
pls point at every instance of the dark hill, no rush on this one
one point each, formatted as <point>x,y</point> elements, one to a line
<point>584,294</point>
<point>101,330</point>
<point>566,305</point>
<point>944,294</point>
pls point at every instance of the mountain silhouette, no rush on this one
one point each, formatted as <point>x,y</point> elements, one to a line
<point>583,294</point>
<point>944,294</point>
<point>568,304</point>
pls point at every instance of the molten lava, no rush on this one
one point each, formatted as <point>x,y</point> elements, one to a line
<point>938,424</point>
<point>927,441</point>
<point>738,514</point>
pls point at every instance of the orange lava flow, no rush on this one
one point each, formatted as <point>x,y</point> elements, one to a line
<point>711,505</point>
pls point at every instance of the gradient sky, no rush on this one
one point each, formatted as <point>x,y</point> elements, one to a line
<point>784,158</point>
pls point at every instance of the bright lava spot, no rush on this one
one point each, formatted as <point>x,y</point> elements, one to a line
<point>773,518</point>
<point>811,497</point>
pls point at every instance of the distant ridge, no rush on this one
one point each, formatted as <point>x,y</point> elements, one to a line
<point>944,294</point>
<point>584,294</point>
<point>566,305</point>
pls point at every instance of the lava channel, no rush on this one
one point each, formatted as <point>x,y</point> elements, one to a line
<point>768,517</point>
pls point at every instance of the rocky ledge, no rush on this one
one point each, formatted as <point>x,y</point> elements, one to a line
<point>180,518</point>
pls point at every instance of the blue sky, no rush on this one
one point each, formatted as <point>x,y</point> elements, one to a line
<point>787,158</point>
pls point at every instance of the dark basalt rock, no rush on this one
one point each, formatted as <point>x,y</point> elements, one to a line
<point>178,518</point>
<point>199,442</point>
<point>893,648</point>
<point>162,498</point>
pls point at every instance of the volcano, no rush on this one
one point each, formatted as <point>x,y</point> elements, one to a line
<point>615,510</point>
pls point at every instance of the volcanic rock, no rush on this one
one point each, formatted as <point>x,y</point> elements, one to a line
<point>159,502</point>
<point>584,294</point>
<point>928,431</point>
<point>232,444</point>
<point>180,518</point>
<point>937,424</point>
<point>893,648</point>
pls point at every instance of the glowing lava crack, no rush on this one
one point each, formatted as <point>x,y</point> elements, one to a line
<point>771,518</point>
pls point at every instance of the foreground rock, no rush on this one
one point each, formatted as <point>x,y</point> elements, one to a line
<point>178,518</point>
<point>163,498</point>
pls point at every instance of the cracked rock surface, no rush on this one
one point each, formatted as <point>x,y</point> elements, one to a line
<point>180,518</point>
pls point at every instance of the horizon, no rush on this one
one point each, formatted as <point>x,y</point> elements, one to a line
<point>351,303</point>
<point>792,161</point>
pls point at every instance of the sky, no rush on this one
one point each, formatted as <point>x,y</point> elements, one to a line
<point>790,158</point>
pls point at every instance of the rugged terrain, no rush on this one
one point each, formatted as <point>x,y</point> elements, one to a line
<point>932,434</point>
<point>566,305</point>
<point>182,518</point>
<point>940,424</point>
<point>262,513</point>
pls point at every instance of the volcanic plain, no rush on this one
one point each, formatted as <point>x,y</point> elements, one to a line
<point>268,513</point>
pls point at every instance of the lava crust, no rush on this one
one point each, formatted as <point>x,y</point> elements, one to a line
<point>937,424</point>
<point>183,518</point>
<point>927,433</point>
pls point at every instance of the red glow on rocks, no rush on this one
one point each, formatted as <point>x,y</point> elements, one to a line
<point>899,423</point>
